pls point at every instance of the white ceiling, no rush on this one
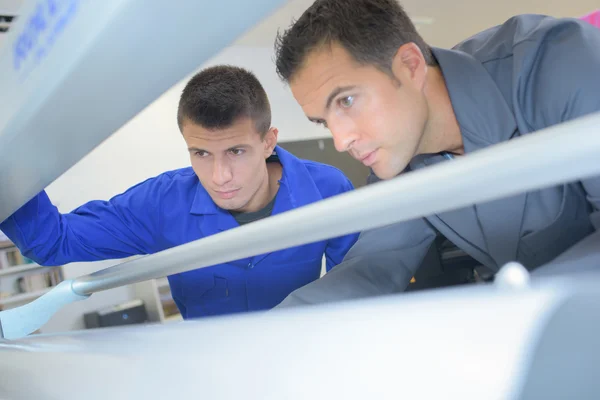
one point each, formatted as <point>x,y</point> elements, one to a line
<point>453,21</point>
<point>9,6</point>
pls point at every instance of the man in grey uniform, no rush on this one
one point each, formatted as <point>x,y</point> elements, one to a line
<point>396,104</point>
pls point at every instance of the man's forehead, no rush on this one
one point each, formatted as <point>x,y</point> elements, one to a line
<point>197,135</point>
<point>323,71</point>
<point>315,84</point>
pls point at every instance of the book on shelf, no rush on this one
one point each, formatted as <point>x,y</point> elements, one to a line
<point>38,281</point>
<point>30,283</point>
<point>27,279</point>
<point>10,256</point>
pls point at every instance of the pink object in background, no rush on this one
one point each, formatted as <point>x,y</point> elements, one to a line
<point>593,18</point>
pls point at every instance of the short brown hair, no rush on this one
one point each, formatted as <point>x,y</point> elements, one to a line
<point>370,30</point>
<point>216,97</point>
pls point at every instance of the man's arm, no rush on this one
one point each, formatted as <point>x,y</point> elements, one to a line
<point>338,247</point>
<point>564,84</point>
<point>98,230</point>
<point>382,261</point>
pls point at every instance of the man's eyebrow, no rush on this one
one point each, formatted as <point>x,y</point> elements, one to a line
<point>336,92</point>
<point>239,146</point>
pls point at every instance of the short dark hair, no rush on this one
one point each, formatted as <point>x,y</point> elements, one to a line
<point>370,30</point>
<point>217,97</point>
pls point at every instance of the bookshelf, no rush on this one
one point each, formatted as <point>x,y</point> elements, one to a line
<point>20,268</point>
<point>22,297</point>
<point>22,280</point>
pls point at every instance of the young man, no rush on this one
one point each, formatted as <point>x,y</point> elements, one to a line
<point>238,176</point>
<point>395,104</point>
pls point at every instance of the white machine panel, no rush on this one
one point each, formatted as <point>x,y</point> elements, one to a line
<point>483,342</point>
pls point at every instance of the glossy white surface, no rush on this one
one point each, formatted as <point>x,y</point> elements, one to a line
<point>468,343</point>
<point>73,71</point>
<point>21,321</point>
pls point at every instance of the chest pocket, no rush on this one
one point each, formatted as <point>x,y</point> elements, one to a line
<point>572,223</point>
<point>272,282</point>
<point>258,283</point>
<point>282,272</point>
<point>206,292</point>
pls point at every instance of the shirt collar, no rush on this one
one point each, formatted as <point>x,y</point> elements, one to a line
<point>483,114</point>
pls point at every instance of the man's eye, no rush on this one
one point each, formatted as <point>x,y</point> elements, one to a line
<point>346,102</point>
<point>236,152</point>
<point>200,154</point>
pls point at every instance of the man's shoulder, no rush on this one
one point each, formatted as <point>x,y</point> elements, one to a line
<point>169,181</point>
<point>179,175</point>
<point>327,177</point>
<point>317,169</point>
<point>525,30</point>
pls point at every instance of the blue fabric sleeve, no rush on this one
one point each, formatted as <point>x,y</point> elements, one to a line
<point>98,230</point>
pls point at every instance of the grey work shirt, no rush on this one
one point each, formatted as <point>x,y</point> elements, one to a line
<point>514,79</point>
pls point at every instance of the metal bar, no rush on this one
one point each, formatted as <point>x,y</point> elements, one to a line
<point>66,64</point>
<point>564,153</point>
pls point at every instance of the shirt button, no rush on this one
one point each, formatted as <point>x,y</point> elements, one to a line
<point>250,266</point>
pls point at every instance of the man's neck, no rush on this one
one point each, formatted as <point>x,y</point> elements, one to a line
<point>275,172</point>
<point>268,189</point>
<point>442,131</point>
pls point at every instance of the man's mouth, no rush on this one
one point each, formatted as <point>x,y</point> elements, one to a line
<point>369,158</point>
<point>227,194</point>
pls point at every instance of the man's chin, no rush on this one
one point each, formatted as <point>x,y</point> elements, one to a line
<point>384,173</point>
<point>228,205</point>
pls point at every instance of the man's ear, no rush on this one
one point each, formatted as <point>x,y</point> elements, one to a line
<point>270,141</point>
<point>409,64</point>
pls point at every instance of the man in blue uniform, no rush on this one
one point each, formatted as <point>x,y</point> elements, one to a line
<point>396,104</point>
<point>238,175</point>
